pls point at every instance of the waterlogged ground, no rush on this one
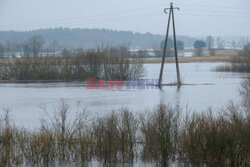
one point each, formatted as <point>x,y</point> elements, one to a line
<point>137,163</point>
<point>204,88</point>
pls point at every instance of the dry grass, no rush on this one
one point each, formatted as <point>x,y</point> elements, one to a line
<point>217,139</point>
<point>115,137</point>
<point>159,131</point>
<point>239,62</point>
<point>191,59</point>
<point>220,56</point>
<point>226,52</point>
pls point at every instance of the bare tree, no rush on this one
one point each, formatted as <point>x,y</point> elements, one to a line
<point>32,46</point>
<point>210,45</point>
<point>220,43</point>
<point>1,51</point>
<point>66,52</point>
<point>36,43</point>
<point>26,49</point>
<point>209,42</point>
<point>54,46</point>
<point>233,45</point>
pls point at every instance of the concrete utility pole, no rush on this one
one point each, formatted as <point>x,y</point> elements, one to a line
<point>171,12</point>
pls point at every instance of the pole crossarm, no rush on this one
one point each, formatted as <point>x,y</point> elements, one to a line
<point>165,10</point>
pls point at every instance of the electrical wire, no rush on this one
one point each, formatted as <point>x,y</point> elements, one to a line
<point>132,14</point>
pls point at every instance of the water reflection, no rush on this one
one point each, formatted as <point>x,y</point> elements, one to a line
<point>94,163</point>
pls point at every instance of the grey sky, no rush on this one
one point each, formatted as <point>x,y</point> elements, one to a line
<point>196,17</point>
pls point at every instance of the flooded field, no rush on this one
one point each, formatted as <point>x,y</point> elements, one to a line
<point>205,88</point>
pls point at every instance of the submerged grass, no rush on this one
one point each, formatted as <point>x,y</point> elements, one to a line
<point>115,137</point>
<point>220,139</point>
<point>214,138</point>
<point>107,63</point>
<point>159,131</point>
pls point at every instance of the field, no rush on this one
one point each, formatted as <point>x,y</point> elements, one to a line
<point>192,59</point>
<point>220,56</point>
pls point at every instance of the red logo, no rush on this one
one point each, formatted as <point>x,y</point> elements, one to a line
<point>93,83</point>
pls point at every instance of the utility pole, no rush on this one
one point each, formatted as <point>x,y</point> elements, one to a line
<point>165,48</point>
<point>171,12</point>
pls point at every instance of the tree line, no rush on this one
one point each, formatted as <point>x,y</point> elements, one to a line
<point>35,46</point>
<point>213,44</point>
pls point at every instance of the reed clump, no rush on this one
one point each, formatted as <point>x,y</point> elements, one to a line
<point>216,138</point>
<point>70,136</point>
<point>37,147</point>
<point>159,131</point>
<point>9,152</point>
<point>245,92</point>
<point>115,137</point>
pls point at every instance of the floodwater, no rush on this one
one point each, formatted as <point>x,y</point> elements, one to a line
<point>205,88</point>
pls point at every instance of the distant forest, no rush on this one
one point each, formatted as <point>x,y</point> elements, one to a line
<point>90,38</point>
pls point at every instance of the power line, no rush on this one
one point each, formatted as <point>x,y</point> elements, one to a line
<point>213,6</point>
<point>211,15</point>
<point>90,20</point>
<point>121,17</point>
<point>128,17</point>
<point>99,15</point>
<point>217,11</point>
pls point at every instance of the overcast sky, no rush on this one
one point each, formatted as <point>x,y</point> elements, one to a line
<point>195,18</point>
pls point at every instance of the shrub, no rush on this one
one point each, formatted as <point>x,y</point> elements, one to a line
<point>239,63</point>
<point>108,63</point>
<point>115,137</point>
<point>159,134</point>
<point>211,138</point>
<point>216,139</point>
<point>9,153</point>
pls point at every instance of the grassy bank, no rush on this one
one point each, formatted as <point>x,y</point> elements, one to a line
<point>238,63</point>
